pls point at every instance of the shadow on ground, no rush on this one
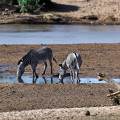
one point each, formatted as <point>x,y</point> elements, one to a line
<point>63,8</point>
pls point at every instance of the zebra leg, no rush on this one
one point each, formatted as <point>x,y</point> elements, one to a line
<point>72,76</point>
<point>36,75</point>
<point>33,76</point>
<point>45,81</point>
<point>20,80</point>
<point>50,61</point>
<point>34,72</point>
<point>45,66</point>
<point>78,79</point>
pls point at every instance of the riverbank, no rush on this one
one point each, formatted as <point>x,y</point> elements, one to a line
<point>66,12</point>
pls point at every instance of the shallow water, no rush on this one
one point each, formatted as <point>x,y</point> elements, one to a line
<point>48,80</point>
<point>58,34</point>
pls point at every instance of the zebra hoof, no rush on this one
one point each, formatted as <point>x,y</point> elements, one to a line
<point>37,77</point>
<point>43,73</point>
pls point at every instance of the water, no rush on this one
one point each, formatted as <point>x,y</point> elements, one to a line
<point>58,34</point>
<point>48,80</point>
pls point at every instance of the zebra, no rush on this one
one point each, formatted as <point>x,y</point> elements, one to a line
<point>73,63</point>
<point>33,57</point>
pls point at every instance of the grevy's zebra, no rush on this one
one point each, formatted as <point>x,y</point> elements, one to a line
<point>34,57</point>
<point>73,63</point>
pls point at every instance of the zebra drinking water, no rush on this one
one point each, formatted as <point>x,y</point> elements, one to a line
<point>73,62</point>
<point>33,57</point>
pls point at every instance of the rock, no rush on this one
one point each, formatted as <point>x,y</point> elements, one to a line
<point>50,16</point>
<point>90,17</point>
<point>87,113</point>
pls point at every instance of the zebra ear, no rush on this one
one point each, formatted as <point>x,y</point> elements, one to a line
<point>20,61</point>
<point>60,65</point>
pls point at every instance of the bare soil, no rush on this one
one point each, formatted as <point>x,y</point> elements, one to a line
<point>67,11</point>
<point>96,57</point>
<point>20,97</point>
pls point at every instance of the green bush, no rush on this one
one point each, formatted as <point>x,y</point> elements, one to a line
<point>28,5</point>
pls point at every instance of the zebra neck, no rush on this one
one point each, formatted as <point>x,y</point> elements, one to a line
<point>27,60</point>
<point>26,63</point>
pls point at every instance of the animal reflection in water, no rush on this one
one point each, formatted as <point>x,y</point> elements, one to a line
<point>34,57</point>
<point>48,80</point>
<point>44,79</point>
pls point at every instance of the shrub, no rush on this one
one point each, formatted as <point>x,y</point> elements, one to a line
<point>28,5</point>
<point>31,5</point>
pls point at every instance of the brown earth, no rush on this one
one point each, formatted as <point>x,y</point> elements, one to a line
<point>96,58</point>
<point>43,102</point>
<point>67,11</point>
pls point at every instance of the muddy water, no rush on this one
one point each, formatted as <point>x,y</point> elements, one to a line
<point>58,34</point>
<point>48,80</point>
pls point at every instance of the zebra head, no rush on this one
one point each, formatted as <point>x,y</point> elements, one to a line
<point>62,71</point>
<point>20,69</point>
<point>26,60</point>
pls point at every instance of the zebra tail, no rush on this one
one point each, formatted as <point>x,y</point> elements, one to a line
<point>54,59</point>
<point>78,67</point>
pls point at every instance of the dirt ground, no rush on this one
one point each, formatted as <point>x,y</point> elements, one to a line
<point>89,11</point>
<point>80,102</point>
<point>66,11</point>
<point>96,58</point>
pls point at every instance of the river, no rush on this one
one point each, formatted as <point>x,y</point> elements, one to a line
<point>58,34</point>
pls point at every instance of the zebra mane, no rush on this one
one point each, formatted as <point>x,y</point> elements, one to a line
<point>26,56</point>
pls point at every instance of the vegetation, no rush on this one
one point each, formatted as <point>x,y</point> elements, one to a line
<point>28,5</point>
<point>16,1</point>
